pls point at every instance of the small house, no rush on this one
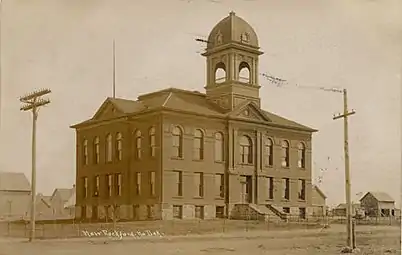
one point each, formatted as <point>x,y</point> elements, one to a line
<point>15,195</point>
<point>340,210</point>
<point>378,204</point>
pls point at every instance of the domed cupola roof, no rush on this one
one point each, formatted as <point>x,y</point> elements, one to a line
<point>232,29</point>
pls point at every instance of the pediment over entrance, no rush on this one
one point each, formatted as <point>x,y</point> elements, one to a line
<point>249,110</point>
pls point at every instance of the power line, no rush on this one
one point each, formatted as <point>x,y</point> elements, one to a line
<point>285,83</point>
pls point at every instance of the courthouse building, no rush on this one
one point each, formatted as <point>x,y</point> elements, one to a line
<point>187,154</point>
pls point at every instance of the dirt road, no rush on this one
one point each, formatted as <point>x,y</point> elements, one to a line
<point>370,239</point>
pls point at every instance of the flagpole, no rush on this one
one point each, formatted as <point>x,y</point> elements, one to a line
<point>114,70</point>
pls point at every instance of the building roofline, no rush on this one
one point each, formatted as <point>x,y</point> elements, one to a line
<point>169,90</point>
<point>320,191</point>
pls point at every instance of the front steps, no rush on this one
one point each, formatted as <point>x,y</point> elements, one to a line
<point>257,212</point>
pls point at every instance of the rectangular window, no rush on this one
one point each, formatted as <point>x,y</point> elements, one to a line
<point>138,183</point>
<point>136,212</point>
<point>176,150</point>
<point>83,212</point>
<point>285,154</point>
<point>85,154</point>
<point>85,191</point>
<point>109,179</point>
<point>199,212</point>
<point>198,148</point>
<point>286,188</point>
<point>270,187</point>
<point>220,212</point>
<point>96,186</point>
<point>199,184</point>
<point>301,162</point>
<point>118,184</point>
<point>286,209</point>
<point>109,148</point>
<point>179,183</point>
<point>150,211</point>
<point>153,145</point>
<point>219,184</point>
<point>177,211</point>
<point>96,151</point>
<point>119,150</point>
<point>302,189</point>
<point>219,147</point>
<point>245,154</point>
<point>152,183</point>
<point>302,213</point>
<point>268,158</point>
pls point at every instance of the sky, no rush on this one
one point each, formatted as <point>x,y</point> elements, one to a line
<point>66,46</point>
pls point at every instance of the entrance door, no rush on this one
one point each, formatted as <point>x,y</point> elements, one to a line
<point>249,187</point>
<point>246,189</point>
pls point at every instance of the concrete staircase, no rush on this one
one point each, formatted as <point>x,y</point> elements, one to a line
<point>257,212</point>
<point>277,212</point>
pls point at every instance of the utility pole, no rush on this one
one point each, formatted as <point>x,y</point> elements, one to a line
<point>1,86</point>
<point>349,209</point>
<point>33,102</point>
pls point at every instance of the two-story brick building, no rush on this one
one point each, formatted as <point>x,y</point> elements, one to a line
<point>186,154</point>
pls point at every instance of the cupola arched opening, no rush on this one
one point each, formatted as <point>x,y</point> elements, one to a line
<point>244,72</point>
<point>220,73</point>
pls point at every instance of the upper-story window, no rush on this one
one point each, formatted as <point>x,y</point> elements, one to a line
<point>268,153</point>
<point>152,141</point>
<point>285,153</point>
<point>138,144</point>
<point>96,150</point>
<point>198,149</point>
<point>246,150</point>
<point>109,148</point>
<point>119,146</point>
<point>301,150</point>
<point>85,152</point>
<point>177,142</point>
<point>219,147</point>
<point>85,191</point>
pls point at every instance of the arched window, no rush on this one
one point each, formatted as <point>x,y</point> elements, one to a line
<point>244,72</point>
<point>85,152</point>
<point>152,141</point>
<point>109,148</point>
<point>220,73</point>
<point>285,154</point>
<point>219,149</point>
<point>138,144</point>
<point>96,150</point>
<point>301,149</point>
<point>119,146</point>
<point>177,142</point>
<point>246,152</point>
<point>268,153</point>
<point>198,149</point>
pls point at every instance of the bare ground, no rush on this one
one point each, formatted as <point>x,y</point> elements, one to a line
<point>370,239</point>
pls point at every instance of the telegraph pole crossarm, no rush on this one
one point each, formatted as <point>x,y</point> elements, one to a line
<point>32,102</point>
<point>349,209</point>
